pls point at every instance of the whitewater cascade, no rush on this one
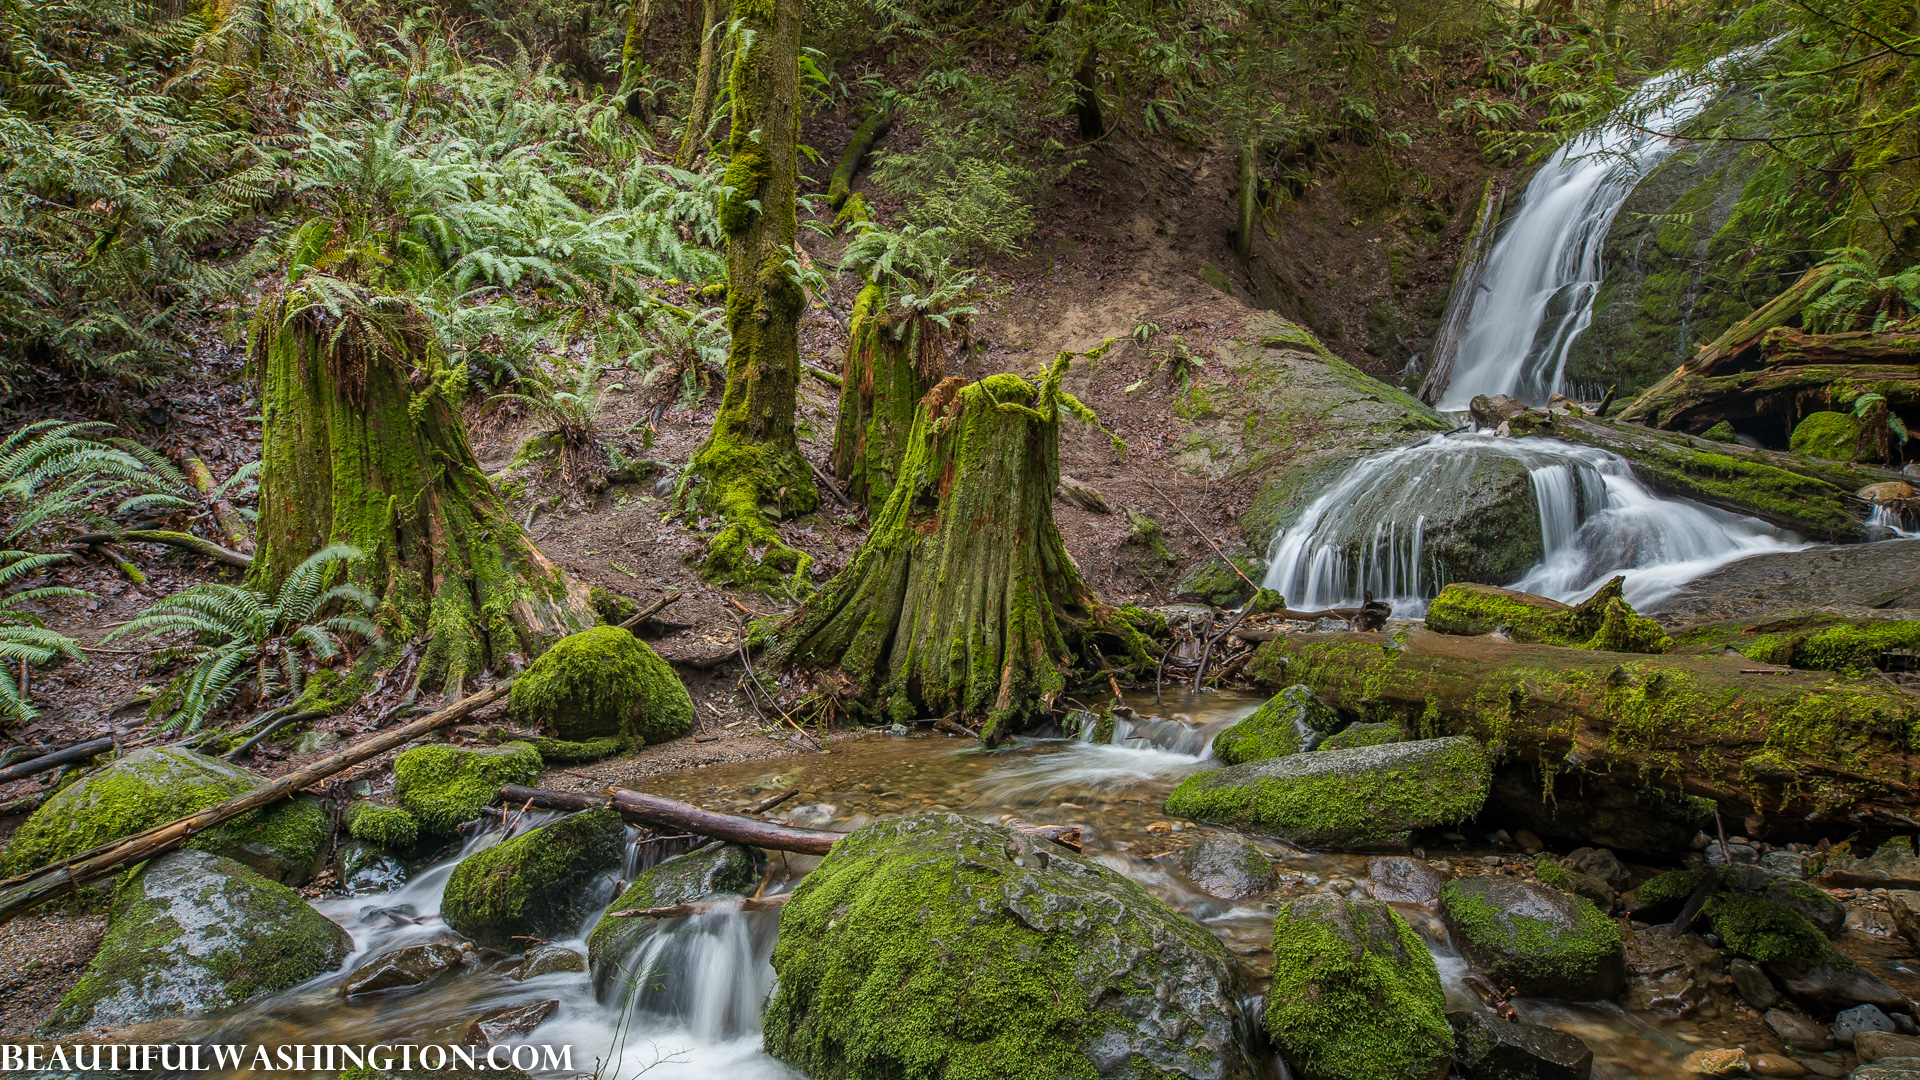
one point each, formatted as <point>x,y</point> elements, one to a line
<point>1365,532</point>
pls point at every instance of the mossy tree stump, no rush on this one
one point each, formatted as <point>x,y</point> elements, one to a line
<point>892,362</point>
<point>750,468</point>
<point>963,600</point>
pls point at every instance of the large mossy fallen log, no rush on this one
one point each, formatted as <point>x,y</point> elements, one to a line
<point>1788,744</point>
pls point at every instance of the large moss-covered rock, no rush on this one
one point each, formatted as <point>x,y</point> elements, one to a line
<point>710,871</point>
<point>1291,721</point>
<point>1355,995</point>
<point>1834,436</point>
<point>194,932</point>
<point>603,683</point>
<point>535,885</point>
<point>160,784</point>
<point>1814,905</point>
<point>1368,797</point>
<point>388,828</point>
<point>1764,931</point>
<point>938,946</point>
<point>444,786</point>
<point>1535,940</point>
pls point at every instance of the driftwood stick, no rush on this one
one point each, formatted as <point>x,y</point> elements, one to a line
<point>67,756</point>
<point>186,541</point>
<point>651,610</point>
<point>67,875</point>
<point>702,907</point>
<point>767,804</point>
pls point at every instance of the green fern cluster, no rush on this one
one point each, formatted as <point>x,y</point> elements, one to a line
<point>77,474</point>
<point>23,637</point>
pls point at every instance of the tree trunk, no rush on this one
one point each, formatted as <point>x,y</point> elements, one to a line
<point>1087,101</point>
<point>633,59</point>
<point>706,85</point>
<point>1247,199</point>
<point>1792,745</point>
<point>963,600</point>
<point>361,445</point>
<point>750,467</point>
<point>871,130</point>
<point>885,378</point>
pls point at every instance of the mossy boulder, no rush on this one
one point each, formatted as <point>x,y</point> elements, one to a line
<point>1371,797</point>
<point>1291,721</point>
<point>1834,436</point>
<point>538,884</point>
<point>603,683</point>
<point>1573,881</point>
<point>1818,908</point>
<point>160,784</point>
<point>1660,898</point>
<point>1538,941</point>
<point>446,786</point>
<point>1356,994</point>
<point>388,828</point>
<point>1602,621</point>
<point>935,945</point>
<point>1768,933</point>
<point>1357,735</point>
<point>193,932</point>
<point>715,870</point>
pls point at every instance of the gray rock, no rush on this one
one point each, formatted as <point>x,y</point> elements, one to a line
<point>1732,853</point>
<point>1228,866</point>
<point>1755,988</point>
<point>1797,1031</point>
<point>1892,1068</point>
<point>1671,973</point>
<point>1820,909</point>
<point>710,871</point>
<point>497,1027</point>
<point>1600,863</point>
<point>1851,1023</point>
<point>195,932</point>
<point>366,870</point>
<point>1400,880</point>
<point>398,969</point>
<point>1905,907</point>
<point>314,742</point>
<point>1874,1045</point>
<point>1891,867</point>
<point>1832,987</point>
<point>548,959</point>
<point>1489,1048</point>
<point>1790,863</point>
<point>1537,940</point>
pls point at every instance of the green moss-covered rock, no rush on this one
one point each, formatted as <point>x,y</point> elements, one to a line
<point>1370,797</point>
<point>1764,931</point>
<point>934,945</point>
<point>1834,436</point>
<point>388,828</point>
<point>603,683</point>
<point>1823,911</point>
<point>1660,898</point>
<point>1355,995</point>
<point>711,871</point>
<point>1291,721</point>
<point>1573,881</point>
<point>1602,621</point>
<point>536,884</point>
<point>568,752</point>
<point>1215,582</point>
<point>160,784</point>
<point>1721,432</point>
<point>1533,939</point>
<point>444,786</point>
<point>194,932</point>
<point>1357,735</point>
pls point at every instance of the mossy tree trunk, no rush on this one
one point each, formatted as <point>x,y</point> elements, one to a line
<point>889,369</point>
<point>706,83</point>
<point>963,600</point>
<point>1247,198</point>
<point>750,467</point>
<point>363,445</point>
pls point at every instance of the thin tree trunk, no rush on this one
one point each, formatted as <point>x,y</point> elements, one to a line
<point>1248,199</point>
<point>1087,102</point>
<point>885,378</point>
<point>706,85</point>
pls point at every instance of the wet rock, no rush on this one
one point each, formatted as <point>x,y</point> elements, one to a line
<point>1891,1068</point>
<point>1489,1048</point>
<point>366,870</point>
<point>1369,798</point>
<point>1555,874</point>
<point>1775,1065</point>
<point>1731,854</point>
<point>1750,979</point>
<point>1891,867</point>
<point>603,683</point>
<point>934,942</point>
<point>1874,1045</point>
<point>536,884</point>
<point>1730,1061</point>
<point>160,784</point>
<point>1228,866</point>
<point>1291,721</point>
<point>194,932</point>
<point>1821,1066</point>
<point>1355,994</point>
<point>1823,911</point>
<point>548,959</point>
<point>1887,491</point>
<point>1836,985</point>
<point>503,1025</point>
<point>1661,897</point>
<point>1904,905</point>
<point>1671,973</point>
<point>447,786</point>
<point>1491,412</point>
<point>1791,863</point>
<point>1599,863</point>
<point>1535,940</point>
<point>1797,1031</point>
<point>1362,735</point>
<point>412,966</point>
<point>710,871</point>
<point>1767,932</point>
<point>1849,1024</point>
<point>1400,880</point>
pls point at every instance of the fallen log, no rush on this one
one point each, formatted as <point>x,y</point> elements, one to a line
<point>231,524</point>
<point>1806,746</point>
<point>67,875</point>
<point>703,907</point>
<point>55,759</point>
<point>185,541</point>
<point>650,610</point>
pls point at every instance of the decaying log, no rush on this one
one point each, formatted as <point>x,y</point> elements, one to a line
<point>702,907</point>
<point>650,610</point>
<point>55,759</point>
<point>187,541</point>
<point>1791,384</point>
<point>67,875</point>
<point>1801,745</point>
<point>232,526</point>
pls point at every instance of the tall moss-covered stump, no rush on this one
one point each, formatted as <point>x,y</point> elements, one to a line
<point>363,444</point>
<point>445,786</point>
<point>891,364</point>
<point>939,946</point>
<point>603,683</point>
<point>963,600</point>
<point>535,885</point>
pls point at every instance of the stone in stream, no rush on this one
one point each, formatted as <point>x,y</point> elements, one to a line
<point>1355,994</point>
<point>1291,721</point>
<point>603,683</point>
<point>1660,898</point>
<point>1904,904</point>
<point>1823,911</point>
<point>1836,984</point>
<point>398,969</point>
<point>161,784</point>
<point>1889,1068</point>
<point>1362,735</point>
<point>194,932</point>
<point>937,945</point>
<point>1850,1024</point>
<point>712,870</point>
<point>447,786</point>
<point>369,870</point>
<point>1368,798</point>
<point>1874,1045</point>
<point>498,1026</point>
<point>534,885</point>
<point>1797,1031</point>
<point>1775,1065</point>
<point>1489,1048</point>
<point>1228,866</point>
<point>1399,880</point>
<point>1769,933</point>
<point>1750,979</point>
<point>1535,940</point>
<point>1893,866</point>
<point>1599,863</point>
<point>548,959</point>
<point>1552,873</point>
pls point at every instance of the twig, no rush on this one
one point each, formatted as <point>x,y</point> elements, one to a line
<point>1202,534</point>
<point>651,610</point>
<point>188,541</point>
<point>702,907</point>
<point>827,482</point>
<point>769,804</point>
<point>1160,672</point>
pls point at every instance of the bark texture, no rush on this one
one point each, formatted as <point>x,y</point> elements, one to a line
<point>889,369</point>
<point>706,84</point>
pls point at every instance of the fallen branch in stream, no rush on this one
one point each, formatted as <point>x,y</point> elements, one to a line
<point>703,907</point>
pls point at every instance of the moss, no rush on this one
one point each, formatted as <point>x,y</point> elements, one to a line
<point>1721,432</point>
<point>1834,436</point>
<point>1356,994</point>
<point>1265,601</point>
<point>1215,582</point>
<point>1603,621</point>
<point>1552,873</point>
<point>1144,532</point>
<point>1624,630</point>
<point>444,786</point>
<point>1766,932</point>
<point>388,828</point>
<point>568,752</point>
<point>536,884</point>
<point>1662,896</point>
<point>1285,724</point>
<point>1362,735</point>
<point>1517,947</point>
<point>1816,640</point>
<point>603,683</point>
<point>331,691</point>
<point>1150,623</point>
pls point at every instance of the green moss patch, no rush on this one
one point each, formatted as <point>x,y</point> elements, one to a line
<point>1766,932</point>
<point>388,828</point>
<point>1850,643</point>
<point>443,786</point>
<point>1834,436</point>
<point>1289,722</point>
<point>1603,621</point>
<point>569,752</point>
<point>534,885</point>
<point>603,683</point>
<point>1540,942</point>
<point>1356,735</point>
<point>1661,897</point>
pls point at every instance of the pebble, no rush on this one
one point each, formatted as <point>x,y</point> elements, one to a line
<point>1851,1023</point>
<point>1731,1061</point>
<point>1822,1068</point>
<point>1775,1065</point>
<point>1797,1031</point>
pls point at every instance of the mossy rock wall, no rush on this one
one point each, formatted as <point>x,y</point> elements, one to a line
<point>935,945</point>
<point>535,885</point>
<point>603,683</point>
<point>445,786</point>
